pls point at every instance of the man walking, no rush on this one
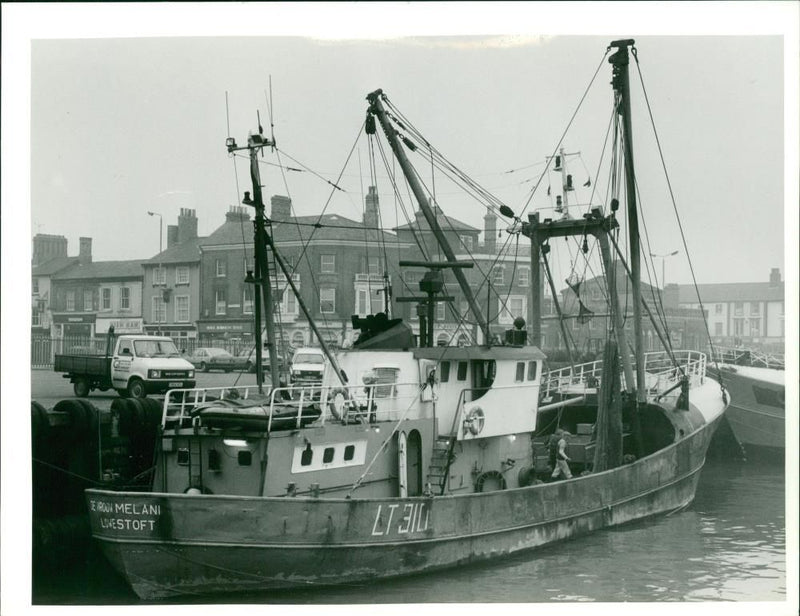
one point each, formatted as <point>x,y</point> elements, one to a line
<point>561,458</point>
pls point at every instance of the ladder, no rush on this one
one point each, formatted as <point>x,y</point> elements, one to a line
<point>441,458</point>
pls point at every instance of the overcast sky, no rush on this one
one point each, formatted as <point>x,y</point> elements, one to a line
<point>120,126</point>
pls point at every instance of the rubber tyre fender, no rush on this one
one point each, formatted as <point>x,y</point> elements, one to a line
<point>79,422</point>
<point>40,423</point>
<point>496,475</point>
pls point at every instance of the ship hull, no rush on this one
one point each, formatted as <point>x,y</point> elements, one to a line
<point>169,544</point>
<point>757,410</point>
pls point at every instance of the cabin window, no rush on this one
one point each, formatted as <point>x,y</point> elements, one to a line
<point>349,452</point>
<point>306,456</point>
<point>531,370</point>
<point>327,455</point>
<point>384,381</point>
<point>462,371</point>
<point>520,376</point>
<point>214,462</point>
<point>183,457</point>
<point>244,457</point>
<point>444,372</point>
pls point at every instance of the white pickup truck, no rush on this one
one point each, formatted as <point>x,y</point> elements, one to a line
<point>139,365</point>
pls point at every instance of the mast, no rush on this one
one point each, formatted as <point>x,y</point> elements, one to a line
<point>376,108</point>
<point>621,83</point>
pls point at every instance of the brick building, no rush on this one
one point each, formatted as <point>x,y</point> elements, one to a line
<point>88,297</point>
<point>171,283</point>
<point>49,258</point>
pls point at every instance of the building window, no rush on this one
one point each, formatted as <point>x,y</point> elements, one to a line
<point>125,298</point>
<point>466,241</point>
<point>105,298</point>
<point>327,301</point>
<point>182,274</point>
<point>220,305</point>
<point>328,264</point>
<point>755,308</point>
<point>288,304</point>
<point>247,299</point>
<point>514,307</point>
<point>159,309</point>
<point>442,340</point>
<point>738,327</point>
<point>160,276</point>
<point>220,268</point>
<point>36,285</point>
<point>738,308</point>
<point>717,329</point>
<point>181,308</point>
<point>374,266</point>
<point>755,327</point>
<point>87,301</point>
<point>298,339</point>
<point>717,308</point>
<point>440,311</point>
<point>524,276</point>
<point>35,318</point>
<point>498,274</point>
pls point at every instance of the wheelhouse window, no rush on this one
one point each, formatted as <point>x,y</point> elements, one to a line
<point>444,372</point>
<point>461,372</point>
<point>531,370</point>
<point>520,375</point>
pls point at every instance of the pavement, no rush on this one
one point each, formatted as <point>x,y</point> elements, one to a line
<point>49,387</point>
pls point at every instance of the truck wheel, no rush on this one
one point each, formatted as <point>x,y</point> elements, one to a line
<point>136,388</point>
<point>81,387</point>
<point>203,367</point>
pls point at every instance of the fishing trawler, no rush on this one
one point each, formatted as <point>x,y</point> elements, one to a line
<point>757,414</point>
<point>411,457</point>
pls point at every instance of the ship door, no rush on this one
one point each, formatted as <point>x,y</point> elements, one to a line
<point>414,463</point>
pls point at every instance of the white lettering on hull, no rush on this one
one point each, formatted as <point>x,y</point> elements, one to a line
<point>414,518</point>
<point>126,516</point>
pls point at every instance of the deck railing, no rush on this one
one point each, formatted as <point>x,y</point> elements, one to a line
<point>749,357</point>
<point>354,403</point>
<point>661,374</point>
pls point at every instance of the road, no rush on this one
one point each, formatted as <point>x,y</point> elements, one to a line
<point>49,387</point>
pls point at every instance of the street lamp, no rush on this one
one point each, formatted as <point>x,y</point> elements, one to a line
<point>663,259</point>
<point>160,244</point>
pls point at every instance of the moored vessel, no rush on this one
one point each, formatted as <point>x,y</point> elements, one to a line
<point>409,458</point>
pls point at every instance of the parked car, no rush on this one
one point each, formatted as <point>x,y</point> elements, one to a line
<point>248,359</point>
<point>213,358</point>
<point>308,366</point>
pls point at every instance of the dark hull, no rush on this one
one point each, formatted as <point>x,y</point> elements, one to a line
<point>167,544</point>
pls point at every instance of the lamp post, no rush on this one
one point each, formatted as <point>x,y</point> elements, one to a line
<point>663,259</point>
<point>160,244</point>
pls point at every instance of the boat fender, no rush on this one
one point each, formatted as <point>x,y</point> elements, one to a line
<point>526,476</point>
<point>496,475</point>
<point>336,401</point>
<point>473,423</point>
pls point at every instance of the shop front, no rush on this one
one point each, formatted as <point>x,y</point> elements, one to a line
<point>73,326</point>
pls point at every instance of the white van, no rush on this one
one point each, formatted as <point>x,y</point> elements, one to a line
<point>308,366</point>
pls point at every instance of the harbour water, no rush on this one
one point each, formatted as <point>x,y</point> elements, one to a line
<point>729,545</point>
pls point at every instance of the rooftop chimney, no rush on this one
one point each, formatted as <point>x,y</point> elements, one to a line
<point>371,208</point>
<point>46,247</point>
<point>187,225</point>
<point>85,250</point>
<point>237,213</point>
<point>490,232</point>
<point>172,235</point>
<point>281,207</point>
<point>775,277</point>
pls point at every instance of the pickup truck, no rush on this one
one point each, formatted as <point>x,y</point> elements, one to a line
<point>139,365</point>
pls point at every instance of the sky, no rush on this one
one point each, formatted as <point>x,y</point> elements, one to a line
<point>111,110</point>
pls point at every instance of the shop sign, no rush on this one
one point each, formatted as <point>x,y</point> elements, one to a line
<point>223,327</point>
<point>121,326</point>
<point>74,318</point>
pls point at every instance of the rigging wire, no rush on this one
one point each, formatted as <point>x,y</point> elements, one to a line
<point>677,216</point>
